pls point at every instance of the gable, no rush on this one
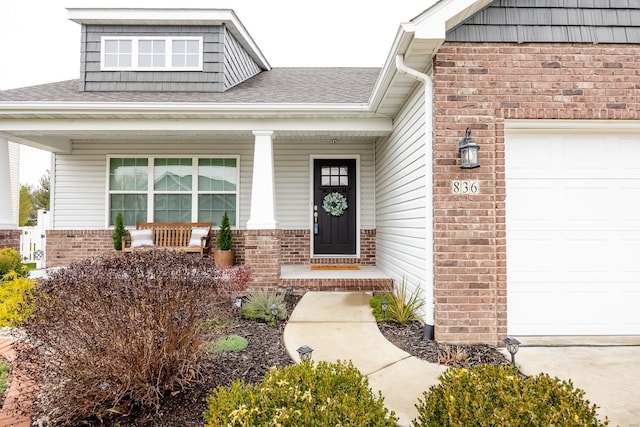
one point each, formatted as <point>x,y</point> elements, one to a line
<point>571,21</point>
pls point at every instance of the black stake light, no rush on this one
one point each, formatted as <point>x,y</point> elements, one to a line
<point>384,304</point>
<point>512,347</point>
<point>305,352</point>
<point>468,151</point>
<point>274,312</point>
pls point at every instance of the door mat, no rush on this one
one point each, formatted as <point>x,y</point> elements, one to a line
<point>335,267</point>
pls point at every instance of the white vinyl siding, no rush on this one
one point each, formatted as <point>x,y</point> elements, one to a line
<point>81,192</point>
<point>400,197</point>
<point>293,175</point>
<point>81,196</point>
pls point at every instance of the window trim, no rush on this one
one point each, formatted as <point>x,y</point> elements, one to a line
<point>135,40</point>
<point>151,192</point>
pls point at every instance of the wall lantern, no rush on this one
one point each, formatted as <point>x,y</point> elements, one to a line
<point>512,347</point>
<point>468,151</point>
<point>305,352</point>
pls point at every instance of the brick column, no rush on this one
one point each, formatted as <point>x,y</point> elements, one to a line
<point>262,254</point>
<point>10,239</point>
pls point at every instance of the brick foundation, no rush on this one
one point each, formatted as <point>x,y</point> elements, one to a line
<point>66,246</point>
<point>296,249</point>
<point>481,85</point>
<point>10,239</point>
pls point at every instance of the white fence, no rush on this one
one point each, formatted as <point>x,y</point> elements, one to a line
<point>33,240</point>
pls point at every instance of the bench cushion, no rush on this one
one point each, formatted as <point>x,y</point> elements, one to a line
<point>142,238</point>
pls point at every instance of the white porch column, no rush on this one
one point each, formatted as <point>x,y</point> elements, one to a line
<point>263,194</point>
<point>6,204</point>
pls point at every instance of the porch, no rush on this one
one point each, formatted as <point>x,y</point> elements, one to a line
<point>303,278</point>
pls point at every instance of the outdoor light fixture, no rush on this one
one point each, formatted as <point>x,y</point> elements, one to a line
<point>238,303</point>
<point>512,347</point>
<point>274,312</point>
<point>468,151</point>
<point>384,304</point>
<point>305,352</point>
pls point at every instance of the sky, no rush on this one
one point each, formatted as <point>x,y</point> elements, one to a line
<point>38,44</point>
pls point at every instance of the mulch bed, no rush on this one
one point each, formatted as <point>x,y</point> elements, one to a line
<point>265,350</point>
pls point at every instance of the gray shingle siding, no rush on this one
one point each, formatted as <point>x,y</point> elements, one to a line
<point>210,79</point>
<point>238,65</point>
<point>573,21</point>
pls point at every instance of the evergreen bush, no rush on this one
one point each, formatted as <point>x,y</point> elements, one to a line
<point>15,299</point>
<point>225,236</point>
<point>10,260</point>
<point>308,394</point>
<point>118,232</point>
<point>487,395</point>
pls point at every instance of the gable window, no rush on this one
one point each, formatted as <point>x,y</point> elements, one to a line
<point>168,189</point>
<point>151,53</point>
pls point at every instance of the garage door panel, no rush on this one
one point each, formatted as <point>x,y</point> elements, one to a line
<point>573,234</point>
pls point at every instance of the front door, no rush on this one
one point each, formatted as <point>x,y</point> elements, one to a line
<point>334,207</point>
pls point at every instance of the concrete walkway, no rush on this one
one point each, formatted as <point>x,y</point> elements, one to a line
<point>340,326</point>
<point>610,376</point>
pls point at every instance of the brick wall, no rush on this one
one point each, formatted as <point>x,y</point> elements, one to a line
<point>295,249</point>
<point>66,246</point>
<point>10,239</point>
<point>481,85</point>
<point>262,253</point>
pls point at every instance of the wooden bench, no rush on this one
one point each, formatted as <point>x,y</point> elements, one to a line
<point>169,235</point>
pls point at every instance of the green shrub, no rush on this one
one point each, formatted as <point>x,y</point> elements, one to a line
<point>227,343</point>
<point>10,260</point>
<point>15,299</point>
<point>487,395</point>
<point>121,331</point>
<point>326,394</point>
<point>402,307</point>
<point>225,236</point>
<point>4,377</point>
<point>258,303</point>
<point>118,232</point>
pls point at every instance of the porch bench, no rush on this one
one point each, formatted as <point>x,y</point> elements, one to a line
<point>192,237</point>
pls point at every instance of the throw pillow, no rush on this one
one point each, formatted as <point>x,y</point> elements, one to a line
<point>196,235</point>
<point>141,238</point>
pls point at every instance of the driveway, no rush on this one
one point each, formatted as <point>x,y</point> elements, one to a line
<point>610,376</point>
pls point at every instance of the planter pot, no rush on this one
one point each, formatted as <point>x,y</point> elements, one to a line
<point>224,258</point>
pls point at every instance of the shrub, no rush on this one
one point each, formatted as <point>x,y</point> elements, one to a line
<point>15,299</point>
<point>326,394</point>
<point>118,232</point>
<point>487,395</point>
<point>227,343</point>
<point>402,307</point>
<point>10,260</point>
<point>225,237</point>
<point>121,330</point>
<point>258,304</point>
<point>4,379</point>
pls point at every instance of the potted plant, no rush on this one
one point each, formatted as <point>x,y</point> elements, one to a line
<point>118,232</point>
<point>224,256</point>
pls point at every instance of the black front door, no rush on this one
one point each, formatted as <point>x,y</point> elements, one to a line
<point>334,207</point>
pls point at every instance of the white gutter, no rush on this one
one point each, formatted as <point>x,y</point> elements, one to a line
<point>428,172</point>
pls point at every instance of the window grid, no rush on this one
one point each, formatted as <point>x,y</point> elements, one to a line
<point>334,176</point>
<point>151,53</point>
<point>199,189</point>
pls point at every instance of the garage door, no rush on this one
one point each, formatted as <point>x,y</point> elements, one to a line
<point>573,233</point>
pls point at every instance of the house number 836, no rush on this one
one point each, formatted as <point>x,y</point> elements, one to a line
<point>465,187</point>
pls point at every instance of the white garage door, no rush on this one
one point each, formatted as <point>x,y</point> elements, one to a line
<point>573,233</point>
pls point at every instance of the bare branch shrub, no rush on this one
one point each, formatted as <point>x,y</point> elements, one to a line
<point>120,331</point>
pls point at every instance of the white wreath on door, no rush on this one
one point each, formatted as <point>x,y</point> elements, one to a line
<point>334,204</point>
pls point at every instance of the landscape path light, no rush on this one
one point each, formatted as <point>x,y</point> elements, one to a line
<point>512,347</point>
<point>305,352</point>
<point>384,304</point>
<point>274,312</point>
